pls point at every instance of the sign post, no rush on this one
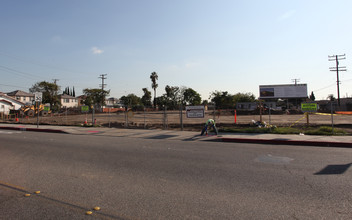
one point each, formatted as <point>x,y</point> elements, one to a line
<point>85,109</point>
<point>38,97</point>
<point>309,107</point>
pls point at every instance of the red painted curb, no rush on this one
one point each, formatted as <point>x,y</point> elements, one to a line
<point>34,129</point>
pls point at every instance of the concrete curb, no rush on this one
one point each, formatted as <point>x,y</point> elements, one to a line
<point>288,142</point>
<point>34,129</point>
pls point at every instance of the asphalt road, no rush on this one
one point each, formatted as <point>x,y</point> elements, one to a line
<point>169,179</point>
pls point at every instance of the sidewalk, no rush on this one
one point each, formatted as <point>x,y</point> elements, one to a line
<point>306,140</point>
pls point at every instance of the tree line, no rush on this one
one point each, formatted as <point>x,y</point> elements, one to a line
<point>173,98</point>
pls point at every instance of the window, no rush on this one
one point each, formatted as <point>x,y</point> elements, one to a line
<point>66,100</point>
<point>3,106</point>
<point>24,98</point>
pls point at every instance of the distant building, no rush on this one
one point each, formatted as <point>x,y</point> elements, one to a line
<point>22,96</point>
<point>112,102</point>
<point>68,101</point>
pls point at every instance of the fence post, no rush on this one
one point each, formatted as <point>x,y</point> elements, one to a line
<point>144,119</point>
<point>109,116</point>
<point>126,118</point>
<point>181,117</point>
<point>332,118</point>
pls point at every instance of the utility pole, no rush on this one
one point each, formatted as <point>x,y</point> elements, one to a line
<point>295,80</point>
<point>102,77</point>
<point>336,69</point>
<point>55,80</point>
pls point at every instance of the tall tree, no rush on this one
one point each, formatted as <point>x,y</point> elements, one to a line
<point>154,78</point>
<point>74,93</point>
<point>95,96</point>
<point>222,100</point>
<point>191,97</point>
<point>312,96</point>
<point>146,98</point>
<point>49,91</point>
<point>131,100</point>
<point>331,97</point>
<point>173,96</point>
<point>243,97</point>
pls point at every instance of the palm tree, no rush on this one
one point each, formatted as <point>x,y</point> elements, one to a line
<point>154,78</point>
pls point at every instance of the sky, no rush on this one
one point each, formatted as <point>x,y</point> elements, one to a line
<point>222,45</point>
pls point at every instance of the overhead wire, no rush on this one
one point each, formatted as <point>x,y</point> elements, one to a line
<point>39,64</point>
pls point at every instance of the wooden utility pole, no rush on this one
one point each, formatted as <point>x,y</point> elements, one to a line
<point>102,77</point>
<point>336,69</point>
<point>295,80</point>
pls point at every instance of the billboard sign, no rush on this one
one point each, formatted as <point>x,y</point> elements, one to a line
<point>195,111</point>
<point>283,91</point>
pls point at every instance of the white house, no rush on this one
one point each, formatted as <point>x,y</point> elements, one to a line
<point>5,107</point>
<point>68,101</point>
<point>21,96</point>
<point>7,103</point>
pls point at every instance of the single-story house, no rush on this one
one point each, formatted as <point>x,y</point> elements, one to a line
<point>5,107</point>
<point>15,103</point>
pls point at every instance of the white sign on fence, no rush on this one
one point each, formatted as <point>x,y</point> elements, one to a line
<point>195,111</point>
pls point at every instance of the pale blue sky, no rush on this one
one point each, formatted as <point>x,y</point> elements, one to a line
<point>222,45</point>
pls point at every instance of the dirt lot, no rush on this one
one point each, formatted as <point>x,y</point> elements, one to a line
<point>172,120</point>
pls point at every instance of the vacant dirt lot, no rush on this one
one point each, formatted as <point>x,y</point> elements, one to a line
<point>172,120</point>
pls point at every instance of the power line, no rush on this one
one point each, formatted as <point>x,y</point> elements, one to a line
<point>19,73</point>
<point>38,64</point>
<point>13,86</point>
<point>336,69</point>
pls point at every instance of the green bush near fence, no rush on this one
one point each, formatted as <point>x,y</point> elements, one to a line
<point>323,130</point>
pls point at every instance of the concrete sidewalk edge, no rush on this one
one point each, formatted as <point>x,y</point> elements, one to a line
<point>288,142</point>
<point>222,139</point>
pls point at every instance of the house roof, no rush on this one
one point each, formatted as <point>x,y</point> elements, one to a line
<point>20,93</point>
<point>10,99</point>
<point>5,101</point>
<point>65,96</point>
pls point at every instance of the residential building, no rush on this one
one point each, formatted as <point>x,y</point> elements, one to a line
<point>8,103</point>
<point>68,101</point>
<point>22,96</point>
<point>112,102</point>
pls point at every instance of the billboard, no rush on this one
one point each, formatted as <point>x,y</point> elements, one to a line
<point>283,91</point>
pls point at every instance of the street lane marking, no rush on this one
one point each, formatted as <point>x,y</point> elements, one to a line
<point>273,159</point>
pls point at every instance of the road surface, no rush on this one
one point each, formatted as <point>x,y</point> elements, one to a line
<point>157,178</point>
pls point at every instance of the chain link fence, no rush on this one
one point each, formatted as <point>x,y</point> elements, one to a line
<point>167,119</point>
